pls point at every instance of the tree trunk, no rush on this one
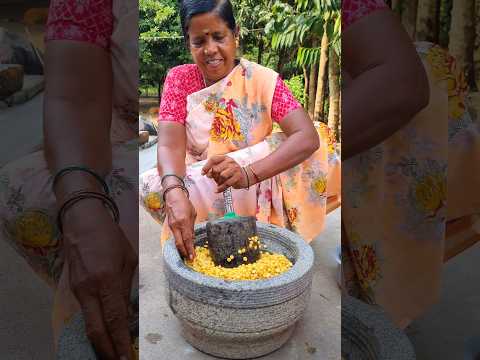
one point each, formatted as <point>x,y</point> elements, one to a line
<point>260,50</point>
<point>334,88</point>
<point>409,16</point>
<point>396,6</point>
<point>445,22</point>
<point>312,83</point>
<point>462,33</point>
<point>282,59</point>
<point>427,21</point>
<point>305,86</point>
<point>312,89</point>
<point>318,114</point>
<point>476,54</point>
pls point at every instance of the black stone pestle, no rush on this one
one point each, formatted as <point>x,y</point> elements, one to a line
<point>232,241</point>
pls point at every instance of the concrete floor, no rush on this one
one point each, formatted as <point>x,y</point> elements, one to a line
<point>315,337</point>
<point>443,332</point>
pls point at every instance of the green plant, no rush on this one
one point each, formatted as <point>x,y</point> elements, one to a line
<point>295,84</point>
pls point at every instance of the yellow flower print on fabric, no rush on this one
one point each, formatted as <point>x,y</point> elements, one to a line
<point>153,201</point>
<point>34,228</point>
<point>430,193</point>
<point>210,106</point>
<point>225,127</point>
<point>444,68</point>
<point>319,185</point>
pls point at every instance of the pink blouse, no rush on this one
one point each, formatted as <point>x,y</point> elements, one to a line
<point>87,20</point>
<point>92,21</point>
<point>353,10</point>
<point>186,79</point>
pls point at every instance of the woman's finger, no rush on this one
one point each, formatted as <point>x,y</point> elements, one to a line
<point>127,277</point>
<point>230,182</point>
<point>227,174</point>
<point>115,316</point>
<point>214,160</point>
<point>187,234</point>
<point>177,234</point>
<point>95,327</point>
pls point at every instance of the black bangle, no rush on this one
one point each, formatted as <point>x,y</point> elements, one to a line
<point>171,187</point>
<point>69,169</point>
<point>172,175</point>
<point>85,194</point>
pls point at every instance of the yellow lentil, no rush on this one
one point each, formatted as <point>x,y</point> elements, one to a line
<point>268,265</point>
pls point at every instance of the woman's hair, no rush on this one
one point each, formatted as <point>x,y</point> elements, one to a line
<point>190,8</point>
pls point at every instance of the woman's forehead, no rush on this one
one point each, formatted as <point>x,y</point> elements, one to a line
<point>207,23</point>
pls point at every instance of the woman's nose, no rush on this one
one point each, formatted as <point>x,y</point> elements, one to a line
<point>210,47</point>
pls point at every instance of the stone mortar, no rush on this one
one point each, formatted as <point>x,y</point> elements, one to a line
<point>368,334</point>
<point>240,319</point>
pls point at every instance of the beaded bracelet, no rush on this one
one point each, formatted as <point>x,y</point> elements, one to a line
<point>86,194</point>
<point>171,187</point>
<point>70,169</point>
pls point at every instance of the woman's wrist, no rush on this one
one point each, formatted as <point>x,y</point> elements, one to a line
<point>254,179</point>
<point>73,182</point>
<point>174,195</point>
<point>85,215</point>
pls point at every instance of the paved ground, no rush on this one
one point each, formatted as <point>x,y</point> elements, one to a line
<point>315,337</point>
<point>20,129</point>
<point>444,331</point>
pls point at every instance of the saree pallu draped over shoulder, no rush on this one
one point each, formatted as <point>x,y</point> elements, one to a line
<point>233,117</point>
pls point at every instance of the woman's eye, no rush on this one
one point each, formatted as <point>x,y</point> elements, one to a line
<point>219,38</point>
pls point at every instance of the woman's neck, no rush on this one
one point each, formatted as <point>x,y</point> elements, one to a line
<point>208,82</point>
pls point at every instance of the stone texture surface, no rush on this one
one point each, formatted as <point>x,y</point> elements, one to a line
<point>316,335</point>
<point>227,236</point>
<point>368,334</point>
<point>32,85</point>
<point>11,79</point>
<point>240,319</point>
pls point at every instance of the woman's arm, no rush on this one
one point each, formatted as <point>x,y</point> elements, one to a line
<point>77,116</point>
<point>171,151</point>
<point>77,112</point>
<point>302,141</point>
<point>389,84</point>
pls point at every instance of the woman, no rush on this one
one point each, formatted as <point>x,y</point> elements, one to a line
<point>399,142</point>
<point>215,124</point>
<point>91,61</point>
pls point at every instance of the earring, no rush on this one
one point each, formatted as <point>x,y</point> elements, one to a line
<point>237,43</point>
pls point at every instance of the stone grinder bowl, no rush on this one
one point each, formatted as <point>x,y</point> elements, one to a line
<point>240,319</point>
<point>368,334</point>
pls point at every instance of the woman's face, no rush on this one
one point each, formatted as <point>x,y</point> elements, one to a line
<point>213,46</point>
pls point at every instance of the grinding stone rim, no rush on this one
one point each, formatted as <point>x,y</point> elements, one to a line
<point>242,294</point>
<point>390,342</point>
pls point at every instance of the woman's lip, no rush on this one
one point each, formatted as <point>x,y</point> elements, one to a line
<point>216,63</point>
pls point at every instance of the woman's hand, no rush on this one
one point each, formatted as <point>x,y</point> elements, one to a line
<point>101,264</point>
<point>181,219</point>
<point>226,172</point>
